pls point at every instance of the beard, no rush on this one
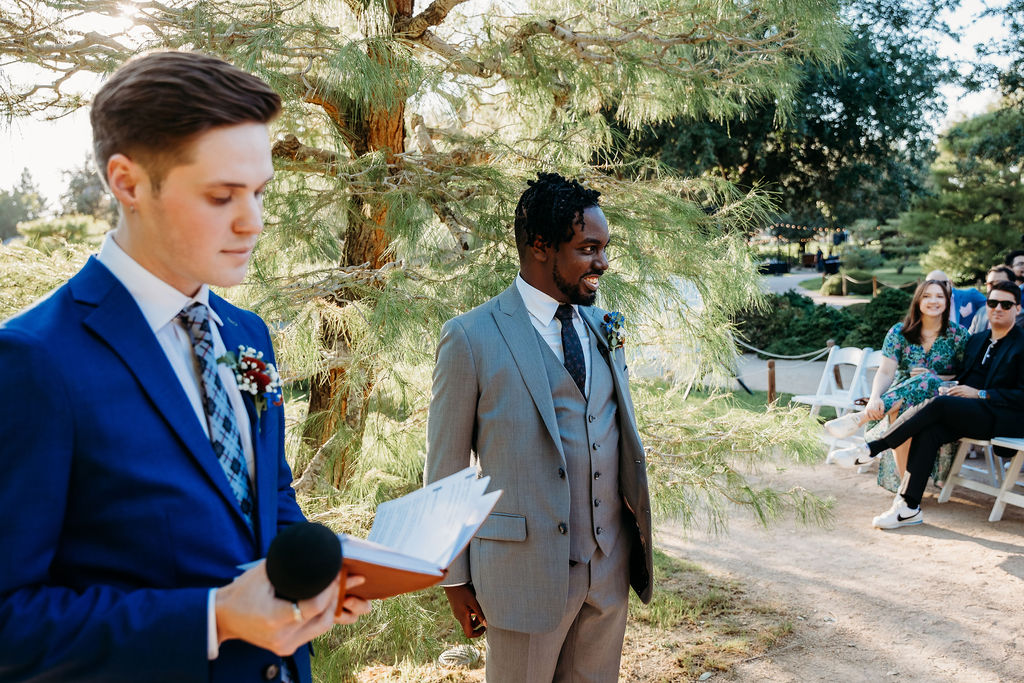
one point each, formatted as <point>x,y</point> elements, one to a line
<point>573,292</point>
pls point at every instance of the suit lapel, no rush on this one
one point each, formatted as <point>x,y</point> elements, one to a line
<point>996,360</point>
<point>974,346</point>
<point>594,318</point>
<point>514,324</point>
<point>265,476</point>
<point>118,321</point>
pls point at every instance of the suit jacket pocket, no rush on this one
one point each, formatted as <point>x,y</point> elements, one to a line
<point>500,526</point>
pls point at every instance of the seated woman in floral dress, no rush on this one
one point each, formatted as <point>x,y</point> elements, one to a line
<point>920,352</point>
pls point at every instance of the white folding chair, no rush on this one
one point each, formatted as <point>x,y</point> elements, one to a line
<point>1003,492</point>
<point>830,392</point>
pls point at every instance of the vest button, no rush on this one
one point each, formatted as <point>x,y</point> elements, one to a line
<point>561,473</point>
<point>597,502</point>
<point>563,528</point>
<point>590,418</point>
<point>598,531</point>
<point>271,671</point>
<point>597,475</point>
<point>597,446</point>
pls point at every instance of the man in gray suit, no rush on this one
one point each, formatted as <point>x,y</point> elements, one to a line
<point>531,388</point>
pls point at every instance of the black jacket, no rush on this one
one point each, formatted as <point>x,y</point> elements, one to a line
<point>1004,380</point>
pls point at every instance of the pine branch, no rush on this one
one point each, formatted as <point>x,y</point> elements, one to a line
<point>413,27</point>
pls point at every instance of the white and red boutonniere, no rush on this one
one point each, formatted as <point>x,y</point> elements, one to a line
<point>613,332</point>
<point>254,376</point>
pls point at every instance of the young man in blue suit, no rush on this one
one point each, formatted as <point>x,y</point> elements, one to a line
<point>135,474</point>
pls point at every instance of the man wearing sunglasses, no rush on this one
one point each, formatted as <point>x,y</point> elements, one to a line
<point>988,401</point>
<point>995,274</point>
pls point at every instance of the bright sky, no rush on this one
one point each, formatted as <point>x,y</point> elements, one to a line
<point>47,148</point>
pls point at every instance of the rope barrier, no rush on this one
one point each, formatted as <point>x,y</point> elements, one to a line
<point>811,355</point>
<point>884,284</point>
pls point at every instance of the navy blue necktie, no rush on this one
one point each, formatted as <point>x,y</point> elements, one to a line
<point>572,349</point>
<point>224,434</point>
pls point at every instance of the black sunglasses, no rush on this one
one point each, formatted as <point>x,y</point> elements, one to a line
<point>1001,303</point>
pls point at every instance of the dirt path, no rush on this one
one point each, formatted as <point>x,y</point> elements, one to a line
<point>943,601</point>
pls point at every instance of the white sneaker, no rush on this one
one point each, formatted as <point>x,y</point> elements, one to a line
<point>900,514</point>
<point>854,456</point>
<point>844,426</point>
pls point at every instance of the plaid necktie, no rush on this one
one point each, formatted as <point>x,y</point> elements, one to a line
<point>224,436</point>
<point>571,348</point>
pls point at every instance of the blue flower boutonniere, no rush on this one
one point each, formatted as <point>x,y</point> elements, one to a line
<point>254,376</point>
<point>613,332</point>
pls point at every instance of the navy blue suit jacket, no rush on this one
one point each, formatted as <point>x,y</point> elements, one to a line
<point>115,516</point>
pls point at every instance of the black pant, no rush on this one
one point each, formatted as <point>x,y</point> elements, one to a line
<point>937,421</point>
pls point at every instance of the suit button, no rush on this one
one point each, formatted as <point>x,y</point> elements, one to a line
<point>563,528</point>
<point>561,473</point>
<point>596,446</point>
<point>590,418</point>
<point>597,475</point>
<point>598,531</point>
<point>597,502</point>
<point>271,671</point>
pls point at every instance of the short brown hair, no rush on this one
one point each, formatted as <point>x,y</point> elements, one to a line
<point>154,105</point>
<point>1010,288</point>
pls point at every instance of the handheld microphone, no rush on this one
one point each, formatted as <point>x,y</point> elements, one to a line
<point>303,560</point>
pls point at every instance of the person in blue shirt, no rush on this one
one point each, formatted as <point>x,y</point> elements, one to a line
<point>965,302</point>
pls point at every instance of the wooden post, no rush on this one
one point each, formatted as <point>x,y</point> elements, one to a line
<point>843,277</point>
<point>874,285</point>
<point>771,381</point>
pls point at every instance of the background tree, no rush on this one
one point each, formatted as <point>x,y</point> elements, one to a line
<point>21,203</point>
<point>407,135</point>
<point>85,194</point>
<point>857,142</point>
<point>975,213</point>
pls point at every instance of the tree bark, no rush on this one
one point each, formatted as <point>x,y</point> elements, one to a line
<point>342,404</point>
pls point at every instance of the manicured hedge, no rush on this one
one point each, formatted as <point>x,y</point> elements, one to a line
<point>792,324</point>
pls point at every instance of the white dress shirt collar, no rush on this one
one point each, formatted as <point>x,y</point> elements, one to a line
<point>540,305</point>
<point>159,302</point>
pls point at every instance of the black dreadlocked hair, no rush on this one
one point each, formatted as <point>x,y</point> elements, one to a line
<point>550,209</point>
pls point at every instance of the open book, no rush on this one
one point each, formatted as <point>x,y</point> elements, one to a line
<point>414,538</point>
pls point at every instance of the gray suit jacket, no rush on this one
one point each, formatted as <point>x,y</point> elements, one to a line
<point>491,407</point>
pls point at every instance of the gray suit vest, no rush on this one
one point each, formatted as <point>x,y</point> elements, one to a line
<point>589,431</point>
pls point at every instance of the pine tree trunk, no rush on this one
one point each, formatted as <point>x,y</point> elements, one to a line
<point>365,242</point>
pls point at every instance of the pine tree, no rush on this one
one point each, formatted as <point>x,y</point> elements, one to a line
<point>407,135</point>
<point>20,203</point>
<point>976,211</point>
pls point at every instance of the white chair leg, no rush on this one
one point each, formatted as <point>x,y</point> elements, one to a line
<point>1009,480</point>
<point>954,472</point>
<point>995,468</point>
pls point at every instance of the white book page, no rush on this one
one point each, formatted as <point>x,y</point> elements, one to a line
<point>435,522</point>
<point>367,551</point>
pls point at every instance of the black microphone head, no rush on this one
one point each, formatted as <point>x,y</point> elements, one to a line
<point>303,560</point>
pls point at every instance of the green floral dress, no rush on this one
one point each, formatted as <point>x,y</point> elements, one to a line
<point>945,357</point>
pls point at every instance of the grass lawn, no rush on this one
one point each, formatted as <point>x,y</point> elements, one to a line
<point>696,623</point>
<point>886,274</point>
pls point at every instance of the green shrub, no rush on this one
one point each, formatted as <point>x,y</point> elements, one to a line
<point>50,234</point>
<point>833,285</point>
<point>791,324</point>
<point>859,258</point>
<point>877,316</point>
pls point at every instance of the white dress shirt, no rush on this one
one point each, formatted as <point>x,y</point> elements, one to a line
<point>542,314</point>
<point>160,304</point>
